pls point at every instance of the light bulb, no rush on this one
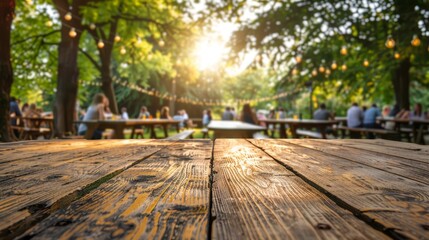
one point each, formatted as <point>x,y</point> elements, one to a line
<point>295,71</point>
<point>314,72</point>
<point>322,69</point>
<point>298,58</point>
<point>344,67</point>
<point>92,26</point>
<point>334,65</point>
<point>416,41</point>
<point>72,33</point>
<point>123,50</point>
<point>390,43</point>
<point>161,43</point>
<point>366,63</point>
<point>100,44</point>
<point>49,23</point>
<point>397,55</point>
<point>117,38</point>
<point>343,50</point>
<point>328,72</point>
<point>68,16</point>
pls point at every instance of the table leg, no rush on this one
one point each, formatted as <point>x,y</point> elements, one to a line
<point>152,132</point>
<point>283,133</point>
<point>323,132</point>
<point>293,130</point>
<point>165,126</point>
<point>177,127</point>
<point>90,130</point>
<point>118,132</point>
<point>418,134</point>
<point>133,131</point>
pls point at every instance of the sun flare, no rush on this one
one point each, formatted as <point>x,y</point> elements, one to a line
<point>209,53</point>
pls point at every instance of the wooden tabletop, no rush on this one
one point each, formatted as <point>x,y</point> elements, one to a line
<point>233,129</point>
<point>227,189</point>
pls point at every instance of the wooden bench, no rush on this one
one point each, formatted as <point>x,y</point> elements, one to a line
<point>182,135</point>
<point>381,133</point>
<point>308,133</point>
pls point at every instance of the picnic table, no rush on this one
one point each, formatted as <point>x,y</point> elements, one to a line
<point>226,189</point>
<point>418,126</point>
<point>295,124</point>
<point>119,125</point>
<point>233,129</point>
<point>38,126</point>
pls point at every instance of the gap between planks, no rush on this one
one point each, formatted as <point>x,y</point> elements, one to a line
<point>341,203</point>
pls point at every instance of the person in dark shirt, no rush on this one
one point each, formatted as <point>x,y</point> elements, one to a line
<point>14,113</point>
<point>322,113</point>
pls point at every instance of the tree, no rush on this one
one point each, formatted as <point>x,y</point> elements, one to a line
<point>317,30</point>
<point>7,12</point>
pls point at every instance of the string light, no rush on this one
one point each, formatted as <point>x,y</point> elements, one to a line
<point>72,32</point>
<point>314,72</point>
<point>161,43</point>
<point>29,2</point>
<point>344,67</point>
<point>68,16</point>
<point>390,43</point>
<point>366,63</point>
<point>123,50</point>
<point>100,44</point>
<point>328,72</point>
<point>92,26</point>
<point>416,41</point>
<point>298,58</point>
<point>334,65</point>
<point>343,50</point>
<point>117,38</point>
<point>397,55</point>
<point>295,71</point>
<point>322,69</point>
<point>49,23</point>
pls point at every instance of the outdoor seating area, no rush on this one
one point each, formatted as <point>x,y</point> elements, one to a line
<point>214,119</point>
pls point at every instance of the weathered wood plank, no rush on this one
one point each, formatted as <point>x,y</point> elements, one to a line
<point>403,167</point>
<point>54,156</point>
<point>28,195</point>
<point>398,204</point>
<point>391,144</point>
<point>165,196</point>
<point>33,149</point>
<point>254,197</point>
<point>410,151</point>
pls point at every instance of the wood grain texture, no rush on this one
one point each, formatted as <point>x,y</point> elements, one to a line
<point>403,167</point>
<point>166,196</point>
<point>399,204</point>
<point>254,197</point>
<point>391,144</point>
<point>53,183</point>
<point>411,152</point>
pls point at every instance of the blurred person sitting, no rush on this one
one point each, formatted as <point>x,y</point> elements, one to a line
<point>94,112</point>
<point>207,117</point>
<point>227,115</point>
<point>31,112</point>
<point>354,119</point>
<point>248,115</point>
<point>370,119</point>
<point>124,114</point>
<point>322,113</point>
<point>165,113</point>
<point>144,113</point>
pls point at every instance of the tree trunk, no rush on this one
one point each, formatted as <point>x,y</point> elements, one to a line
<point>401,84</point>
<point>7,9</point>
<point>68,72</point>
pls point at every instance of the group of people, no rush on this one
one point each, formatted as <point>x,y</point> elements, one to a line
<point>26,111</point>
<point>247,115</point>
<point>99,110</point>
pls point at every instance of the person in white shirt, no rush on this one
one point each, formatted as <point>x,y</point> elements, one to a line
<point>124,114</point>
<point>354,119</point>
